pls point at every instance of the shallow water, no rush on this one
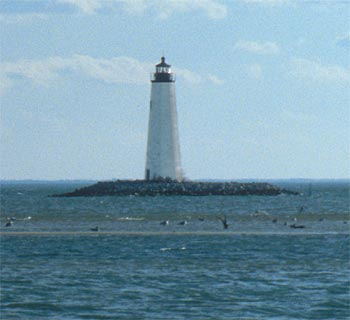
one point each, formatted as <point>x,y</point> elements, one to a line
<point>54,267</point>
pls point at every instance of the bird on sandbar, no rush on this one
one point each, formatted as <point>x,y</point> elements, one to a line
<point>9,223</point>
<point>297,226</point>
<point>165,223</point>
<point>224,222</point>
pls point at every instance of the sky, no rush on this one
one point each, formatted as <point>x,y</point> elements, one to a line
<point>262,87</point>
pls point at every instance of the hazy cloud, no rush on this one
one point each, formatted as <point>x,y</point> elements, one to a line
<point>215,80</point>
<point>268,2</point>
<point>114,70</point>
<point>39,71</point>
<point>315,71</point>
<point>214,9</point>
<point>254,70</point>
<point>5,83</point>
<point>86,6</point>
<point>188,76</point>
<point>264,48</point>
<point>43,72</point>
<point>163,9</point>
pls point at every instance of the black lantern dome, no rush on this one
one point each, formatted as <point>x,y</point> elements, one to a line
<point>163,72</point>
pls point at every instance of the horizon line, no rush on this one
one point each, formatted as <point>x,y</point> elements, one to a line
<point>199,179</point>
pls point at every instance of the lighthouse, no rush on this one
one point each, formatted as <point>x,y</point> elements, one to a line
<point>163,148</point>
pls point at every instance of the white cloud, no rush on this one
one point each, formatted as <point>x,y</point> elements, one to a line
<point>188,76</point>
<point>195,78</point>
<point>212,8</point>
<point>39,71</point>
<point>114,70</point>
<point>268,2</point>
<point>265,48</point>
<point>215,80</point>
<point>86,6</point>
<point>134,7</point>
<point>164,9</point>
<point>314,70</point>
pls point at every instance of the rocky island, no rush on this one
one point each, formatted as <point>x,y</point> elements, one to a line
<point>169,188</point>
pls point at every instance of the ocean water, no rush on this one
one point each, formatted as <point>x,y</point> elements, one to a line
<point>54,267</point>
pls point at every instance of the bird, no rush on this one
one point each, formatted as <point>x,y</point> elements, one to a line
<point>224,222</point>
<point>182,223</point>
<point>296,226</point>
<point>274,220</point>
<point>9,223</point>
<point>165,223</point>
<point>95,229</point>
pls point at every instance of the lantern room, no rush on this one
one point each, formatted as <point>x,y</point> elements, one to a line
<point>163,72</point>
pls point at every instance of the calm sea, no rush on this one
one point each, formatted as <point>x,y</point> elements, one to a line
<point>53,266</point>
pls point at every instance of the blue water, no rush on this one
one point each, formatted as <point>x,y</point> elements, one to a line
<point>54,267</point>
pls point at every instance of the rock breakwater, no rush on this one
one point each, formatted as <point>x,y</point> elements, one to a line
<point>170,188</point>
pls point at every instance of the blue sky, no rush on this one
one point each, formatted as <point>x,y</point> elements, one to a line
<point>263,87</point>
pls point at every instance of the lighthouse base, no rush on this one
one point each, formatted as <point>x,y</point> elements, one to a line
<point>171,188</point>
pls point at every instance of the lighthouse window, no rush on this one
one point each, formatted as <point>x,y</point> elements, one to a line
<point>163,70</point>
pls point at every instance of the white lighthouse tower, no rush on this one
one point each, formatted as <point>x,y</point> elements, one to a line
<point>163,148</point>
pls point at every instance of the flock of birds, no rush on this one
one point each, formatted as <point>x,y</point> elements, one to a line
<point>10,221</point>
<point>225,224</point>
<point>223,219</point>
<point>257,213</point>
<point>181,223</point>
